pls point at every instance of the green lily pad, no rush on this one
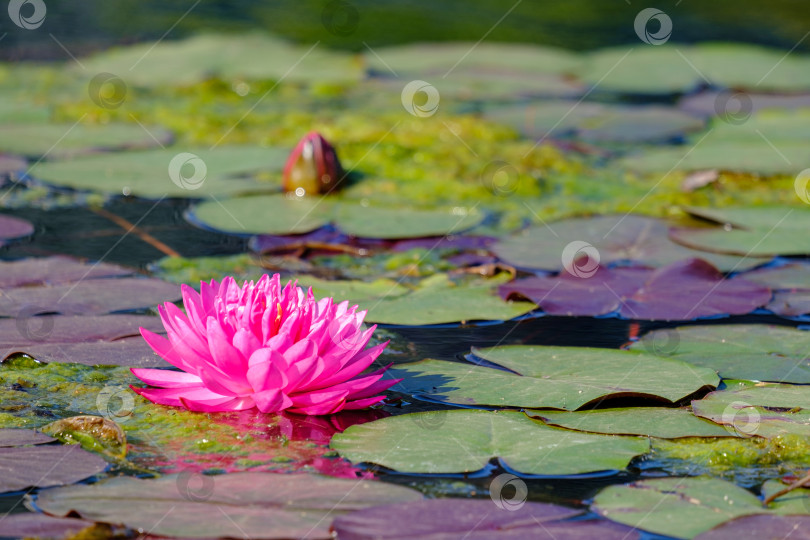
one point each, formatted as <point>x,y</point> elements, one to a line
<point>725,155</point>
<point>246,505</point>
<point>442,57</point>
<point>788,276</point>
<point>764,410</point>
<point>650,421</point>
<point>553,377</point>
<point>280,214</point>
<point>737,351</point>
<point>438,300</point>
<point>252,55</point>
<point>672,68</point>
<point>364,293</point>
<point>146,173</point>
<point>766,231</point>
<point>392,223</point>
<point>468,440</point>
<point>595,121</point>
<point>679,507</point>
<point>65,140</point>
<point>262,214</point>
<point>795,502</point>
<point>639,239</point>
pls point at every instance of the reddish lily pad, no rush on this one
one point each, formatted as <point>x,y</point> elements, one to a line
<point>760,526</point>
<point>90,296</point>
<point>13,227</point>
<point>54,270</point>
<point>46,465</point>
<point>11,164</point>
<point>640,240</point>
<point>575,296</point>
<point>51,338</point>
<point>132,352</point>
<point>790,303</point>
<point>713,102</point>
<point>22,437</point>
<point>32,525</point>
<point>246,505</point>
<point>683,290</point>
<point>447,519</point>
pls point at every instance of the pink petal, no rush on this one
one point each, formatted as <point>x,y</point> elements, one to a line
<point>268,401</point>
<point>225,355</point>
<point>356,365</point>
<point>171,396</point>
<point>217,405</point>
<point>362,403</point>
<point>167,378</point>
<point>265,371</point>
<point>164,348</point>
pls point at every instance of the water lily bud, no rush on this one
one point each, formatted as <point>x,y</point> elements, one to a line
<point>312,167</point>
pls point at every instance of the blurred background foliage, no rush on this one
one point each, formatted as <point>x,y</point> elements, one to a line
<point>90,25</point>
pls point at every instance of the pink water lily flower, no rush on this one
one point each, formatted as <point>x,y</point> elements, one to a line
<point>263,346</point>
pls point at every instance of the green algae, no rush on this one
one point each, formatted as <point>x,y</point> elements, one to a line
<point>746,461</point>
<point>160,438</point>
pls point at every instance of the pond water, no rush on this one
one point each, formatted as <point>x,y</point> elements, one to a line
<point>598,237</point>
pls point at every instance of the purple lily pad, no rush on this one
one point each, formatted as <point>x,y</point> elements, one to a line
<point>570,295</point>
<point>12,227</point>
<point>46,465</point>
<point>237,505</point>
<point>790,303</point>
<point>11,164</point>
<point>761,526</point>
<point>709,103</point>
<point>51,338</point>
<point>73,329</point>
<point>22,437</point>
<point>446,519</point>
<point>691,289</point>
<point>458,241</point>
<point>89,297</point>
<point>683,290</point>
<point>131,352</point>
<point>54,270</point>
<point>32,525</point>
